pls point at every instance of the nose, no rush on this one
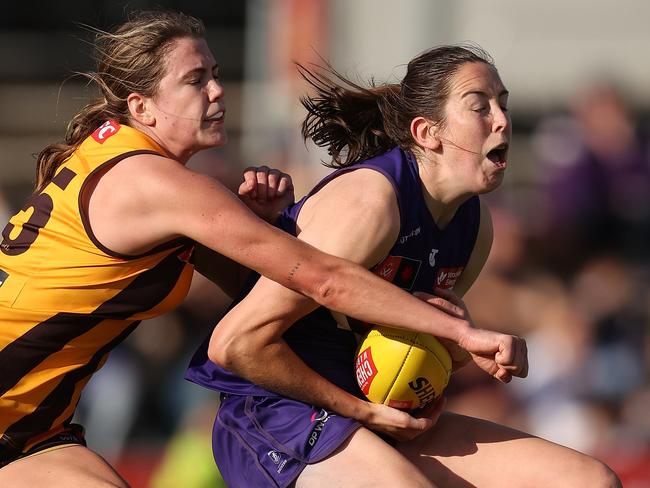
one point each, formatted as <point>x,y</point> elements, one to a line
<point>215,90</point>
<point>500,120</point>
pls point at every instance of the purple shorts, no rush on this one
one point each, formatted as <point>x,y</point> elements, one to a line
<point>267,441</point>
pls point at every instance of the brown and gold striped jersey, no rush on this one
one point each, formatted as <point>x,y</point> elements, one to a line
<point>65,299</point>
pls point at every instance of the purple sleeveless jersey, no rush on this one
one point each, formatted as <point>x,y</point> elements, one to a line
<point>262,439</point>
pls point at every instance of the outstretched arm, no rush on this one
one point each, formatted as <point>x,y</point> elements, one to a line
<point>167,201</point>
<point>266,191</point>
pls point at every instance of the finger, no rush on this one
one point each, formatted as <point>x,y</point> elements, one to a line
<point>505,356</point>
<point>434,410</point>
<point>250,182</point>
<point>262,175</point>
<point>521,359</point>
<point>418,425</point>
<point>449,295</point>
<point>273,182</point>
<point>524,370</point>
<point>514,357</point>
<point>503,375</point>
<point>441,304</point>
<point>486,364</point>
<point>285,185</point>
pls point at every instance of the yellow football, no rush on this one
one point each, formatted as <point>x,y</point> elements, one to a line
<point>402,369</point>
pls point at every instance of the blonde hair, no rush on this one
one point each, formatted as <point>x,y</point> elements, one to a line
<point>129,60</point>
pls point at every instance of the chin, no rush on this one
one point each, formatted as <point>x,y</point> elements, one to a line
<point>492,183</point>
<point>217,140</point>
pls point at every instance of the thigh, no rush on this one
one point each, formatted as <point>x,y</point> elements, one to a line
<point>64,466</point>
<point>363,460</point>
<point>465,452</point>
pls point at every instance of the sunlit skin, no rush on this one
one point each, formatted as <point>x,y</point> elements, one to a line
<point>187,112</point>
<point>476,122</point>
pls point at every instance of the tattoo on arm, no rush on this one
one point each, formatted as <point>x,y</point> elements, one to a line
<point>293,271</point>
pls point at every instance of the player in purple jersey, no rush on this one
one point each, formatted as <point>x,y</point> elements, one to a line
<point>413,158</point>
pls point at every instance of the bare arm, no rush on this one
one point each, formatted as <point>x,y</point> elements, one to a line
<point>165,200</point>
<point>266,192</point>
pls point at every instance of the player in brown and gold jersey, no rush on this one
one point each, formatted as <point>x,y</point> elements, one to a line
<point>104,242</point>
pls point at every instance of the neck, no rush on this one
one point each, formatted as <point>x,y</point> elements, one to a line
<point>441,195</point>
<point>180,156</point>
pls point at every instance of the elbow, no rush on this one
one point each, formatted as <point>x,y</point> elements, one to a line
<point>217,353</point>
<point>330,290</point>
<point>223,351</point>
<point>235,350</point>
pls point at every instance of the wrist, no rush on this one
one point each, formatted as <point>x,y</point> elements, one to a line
<point>360,410</point>
<point>453,329</point>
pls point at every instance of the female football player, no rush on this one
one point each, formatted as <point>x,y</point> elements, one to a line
<point>411,160</point>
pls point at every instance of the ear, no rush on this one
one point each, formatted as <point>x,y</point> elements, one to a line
<point>139,109</point>
<point>425,133</point>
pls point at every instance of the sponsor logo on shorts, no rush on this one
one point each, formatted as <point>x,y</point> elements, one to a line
<point>276,457</point>
<point>365,369</point>
<point>318,416</point>
<point>446,277</point>
<point>319,419</point>
<point>106,130</point>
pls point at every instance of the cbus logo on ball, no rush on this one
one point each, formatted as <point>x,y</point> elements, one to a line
<point>423,389</point>
<point>366,370</point>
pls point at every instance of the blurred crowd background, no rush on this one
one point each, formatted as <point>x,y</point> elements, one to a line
<point>570,265</point>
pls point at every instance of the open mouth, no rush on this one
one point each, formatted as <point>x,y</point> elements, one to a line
<point>499,155</point>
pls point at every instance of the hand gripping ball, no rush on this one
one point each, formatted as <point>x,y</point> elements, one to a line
<point>402,369</point>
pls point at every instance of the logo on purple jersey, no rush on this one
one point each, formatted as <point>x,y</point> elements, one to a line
<point>399,270</point>
<point>446,277</point>
<point>432,257</point>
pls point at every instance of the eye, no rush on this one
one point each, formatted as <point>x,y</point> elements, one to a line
<point>194,81</point>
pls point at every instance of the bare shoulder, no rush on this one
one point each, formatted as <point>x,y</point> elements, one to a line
<point>137,203</point>
<point>355,216</point>
<point>361,190</point>
<point>364,183</point>
<point>144,174</point>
